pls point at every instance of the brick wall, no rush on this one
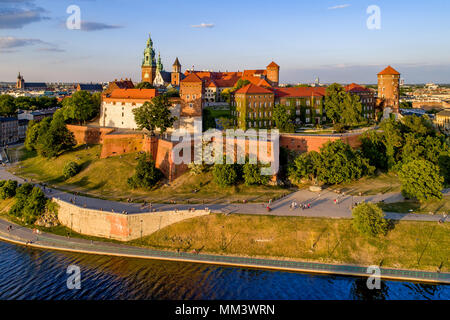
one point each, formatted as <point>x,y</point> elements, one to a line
<point>89,135</point>
<point>307,143</point>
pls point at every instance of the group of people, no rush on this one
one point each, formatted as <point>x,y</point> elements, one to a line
<point>294,205</point>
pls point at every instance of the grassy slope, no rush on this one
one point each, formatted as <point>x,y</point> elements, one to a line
<point>436,207</point>
<point>107,178</point>
<point>382,183</point>
<point>324,240</point>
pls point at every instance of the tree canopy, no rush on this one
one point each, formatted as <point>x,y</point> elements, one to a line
<point>369,220</point>
<point>421,180</point>
<point>283,117</point>
<point>82,106</point>
<point>154,115</point>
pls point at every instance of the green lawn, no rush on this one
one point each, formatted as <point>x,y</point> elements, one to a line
<point>107,178</point>
<point>412,245</point>
<point>379,184</point>
<point>412,206</point>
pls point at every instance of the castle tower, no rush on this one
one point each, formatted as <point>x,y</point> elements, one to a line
<point>176,73</point>
<point>20,84</point>
<point>159,65</point>
<point>273,73</point>
<point>149,62</point>
<point>389,89</point>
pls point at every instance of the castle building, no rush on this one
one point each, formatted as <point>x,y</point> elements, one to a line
<point>389,89</point>
<point>149,62</point>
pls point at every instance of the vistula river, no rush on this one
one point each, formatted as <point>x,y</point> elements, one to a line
<point>38,274</point>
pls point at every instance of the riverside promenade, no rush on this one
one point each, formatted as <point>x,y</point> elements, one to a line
<point>26,237</point>
<point>322,204</point>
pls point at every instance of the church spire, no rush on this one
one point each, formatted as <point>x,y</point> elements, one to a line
<point>149,54</point>
<point>159,65</point>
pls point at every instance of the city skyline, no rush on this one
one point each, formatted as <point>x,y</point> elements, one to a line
<point>329,39</point>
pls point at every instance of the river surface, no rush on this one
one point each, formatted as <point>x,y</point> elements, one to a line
<point>37,274</point>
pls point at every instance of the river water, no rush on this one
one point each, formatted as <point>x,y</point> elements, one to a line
<point>37,274</point>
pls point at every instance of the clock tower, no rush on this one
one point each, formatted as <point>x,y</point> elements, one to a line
<point>149,62</point>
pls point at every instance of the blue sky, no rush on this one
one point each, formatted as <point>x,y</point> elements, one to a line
<point>325,38</point>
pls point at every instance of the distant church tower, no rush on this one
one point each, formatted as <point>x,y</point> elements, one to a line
<point>20,84</point>
<point>176,73</point>
<point>149,62</point>
<point>389,89</point>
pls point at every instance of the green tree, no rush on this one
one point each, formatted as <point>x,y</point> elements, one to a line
<point>146,175</point>
<point>32,135</point>
<point>374,149</point>
<point>154,114</point>
<point>70,169</point>
<point>54,137</point>
<point>8,189</point>
<point>81,107</point>
<point>392,139</point>
<point>34,206</point>
<point>252,175</point>
<point>340,163</point>
<point>305,166</point>
<point>7,105</point>
<point>369,220</point>
<point>225,174</point>
<point>351,113</point>
<point>334,101</point>
<point>421,180</point>
<point>283,117</point>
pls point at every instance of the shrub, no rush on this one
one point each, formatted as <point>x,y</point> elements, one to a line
<point>369,220</point>
<point>146,175</point>
<point>8,189</point>
<point>225,174</point>
<point>71,169</point>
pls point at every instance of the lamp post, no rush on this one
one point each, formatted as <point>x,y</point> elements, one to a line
<point>141,229</point>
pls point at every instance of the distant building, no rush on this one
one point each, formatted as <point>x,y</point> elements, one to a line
<point>122,84</point>
<point>21,84</point>
<point>36,115</point>
<point>91,87</point>
<point>389,90</point>
<point>9,127</point>
<point>442,120</point>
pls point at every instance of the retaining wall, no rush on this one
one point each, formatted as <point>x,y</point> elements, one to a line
<point>122,227</point>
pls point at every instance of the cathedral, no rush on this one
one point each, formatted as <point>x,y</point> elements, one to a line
<point>153,71</point>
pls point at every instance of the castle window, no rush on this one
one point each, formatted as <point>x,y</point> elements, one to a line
<point>308,103</point>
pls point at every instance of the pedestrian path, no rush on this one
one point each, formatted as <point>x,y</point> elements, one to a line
<point>322,204</point>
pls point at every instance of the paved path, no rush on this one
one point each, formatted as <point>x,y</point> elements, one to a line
<point>322,204</point>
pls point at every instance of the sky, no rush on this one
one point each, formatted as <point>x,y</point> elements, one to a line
<point>329,39</point>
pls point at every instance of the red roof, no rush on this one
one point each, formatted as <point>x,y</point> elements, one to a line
<point>301,92</point>
<point>356,88</point>
<point>273,65</point>
<point>192,77</point>
<point>389,71</point>
<point>251,88</point>
<point>132,94</point>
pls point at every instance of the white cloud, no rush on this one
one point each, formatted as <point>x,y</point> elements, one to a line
<point>204,25</point>
<point>340,6</point>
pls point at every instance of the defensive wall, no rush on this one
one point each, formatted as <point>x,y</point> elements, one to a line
<point>118,226</point>
<point>305,143</point>
<point>117,142</point>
